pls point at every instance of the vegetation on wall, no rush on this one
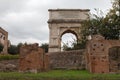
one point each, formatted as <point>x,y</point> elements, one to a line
<point>14,49</point>
<point>107,26</point>
<point>8,57</point>
<point>45,47</point>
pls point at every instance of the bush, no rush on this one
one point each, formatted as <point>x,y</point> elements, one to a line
<point>8,57</point>
<point>13,49</point>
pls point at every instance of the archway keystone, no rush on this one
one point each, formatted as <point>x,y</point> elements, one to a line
<point>64,20</point>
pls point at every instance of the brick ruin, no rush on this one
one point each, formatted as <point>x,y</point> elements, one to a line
<point>67,59</point>
<point>100,56</point>
<point>103,56</point>
<point>32,59</point>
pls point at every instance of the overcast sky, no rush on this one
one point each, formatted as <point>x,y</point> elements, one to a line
<point>26,20</point>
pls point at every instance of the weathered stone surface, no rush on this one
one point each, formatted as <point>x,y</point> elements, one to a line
<point>67,60</point>
<point>63,21</point>
<point>31,58</point>
<point>8,65</point>
<point>4,40</point>
<point>100,54</point>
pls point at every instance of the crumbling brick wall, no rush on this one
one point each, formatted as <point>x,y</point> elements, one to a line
<point>31,58</point>
<point>98,55</point>
<point>67,60</point>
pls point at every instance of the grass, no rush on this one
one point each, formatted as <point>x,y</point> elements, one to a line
<point>8,57</point>
<point>58,75</point>
<point>54,74</point>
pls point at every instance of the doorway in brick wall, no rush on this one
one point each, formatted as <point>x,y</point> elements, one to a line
<point>114,59</point>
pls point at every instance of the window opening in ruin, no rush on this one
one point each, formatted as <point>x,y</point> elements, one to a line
<point>114,58</point>
<point>114,53</point>
<point>119,66</point>
<point>67,41</point>
<point>3,38</point>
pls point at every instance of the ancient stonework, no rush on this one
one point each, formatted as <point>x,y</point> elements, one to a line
<point>63,21</point>
<point>8,65</point>
<point>103,56</point>
<point>67,60</point>
<point>31,59</point>
<point>4,40</point>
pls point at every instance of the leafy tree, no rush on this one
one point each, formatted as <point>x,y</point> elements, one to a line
<point>45,47</point>
<point>113,20</point>
<point>18,47</point>
<point>66,47</point>
<point>1,47</point>
<point>108,26</point>
<point>13,49</point>
<point>76,45</point>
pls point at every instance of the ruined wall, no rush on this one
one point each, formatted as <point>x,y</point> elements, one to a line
<point>98,55</point>
<point>31,58</point>
<point>67,60</point>
<point>4,40</point>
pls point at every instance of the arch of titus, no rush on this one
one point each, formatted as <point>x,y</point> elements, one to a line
<point>63,21</point>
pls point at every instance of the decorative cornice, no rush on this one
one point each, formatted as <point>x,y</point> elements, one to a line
<point>69,10</point>
<point>3,31</point>
<point>65,21</point>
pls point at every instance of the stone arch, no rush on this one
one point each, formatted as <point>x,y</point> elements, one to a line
<point>69,31</point>
<point>62,21</point>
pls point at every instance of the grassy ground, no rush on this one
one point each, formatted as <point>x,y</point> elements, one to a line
<point>58,75</point>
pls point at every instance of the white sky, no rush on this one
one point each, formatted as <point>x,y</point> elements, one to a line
<point>26,20</point>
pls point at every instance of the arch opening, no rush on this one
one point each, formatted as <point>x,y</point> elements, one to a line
<point>68,38</point>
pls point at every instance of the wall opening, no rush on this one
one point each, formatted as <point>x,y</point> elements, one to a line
<point>114,58</point>
<point>67,40</point>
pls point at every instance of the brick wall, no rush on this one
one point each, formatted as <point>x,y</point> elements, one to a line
<point>67,60</point>
<point>32,59</point>
<point>102,56</point>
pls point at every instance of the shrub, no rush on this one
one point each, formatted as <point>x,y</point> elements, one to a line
<point>8,57</point>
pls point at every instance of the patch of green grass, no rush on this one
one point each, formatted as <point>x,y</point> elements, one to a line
<point>58,75</point>
<point>8,57</point>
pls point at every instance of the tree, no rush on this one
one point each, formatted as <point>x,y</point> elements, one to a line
<point>45,47</point>
<point>76,45</point>
<point>18,47</point>
<point>13,49</point>
<point>66,47</point>
<point>108,26</point>
<point>1,47</point>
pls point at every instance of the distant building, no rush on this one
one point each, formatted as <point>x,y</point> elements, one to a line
<point>4,40</point>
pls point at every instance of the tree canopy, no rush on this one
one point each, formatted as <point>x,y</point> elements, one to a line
<point>107,26</point>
